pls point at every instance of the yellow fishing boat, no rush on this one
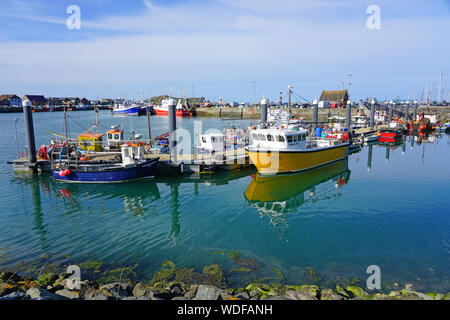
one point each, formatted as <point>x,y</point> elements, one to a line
<point>278,150</point>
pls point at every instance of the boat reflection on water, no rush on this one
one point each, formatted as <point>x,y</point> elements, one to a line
<point>136,195</point>
<point>276,196</point>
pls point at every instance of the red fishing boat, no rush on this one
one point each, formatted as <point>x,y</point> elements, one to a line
<point>390,134</point>
<point>181,110</point>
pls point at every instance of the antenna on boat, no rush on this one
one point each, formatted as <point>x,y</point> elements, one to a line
<point>289,97</point>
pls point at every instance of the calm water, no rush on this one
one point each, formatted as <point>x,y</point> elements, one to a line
<point>338,220</point>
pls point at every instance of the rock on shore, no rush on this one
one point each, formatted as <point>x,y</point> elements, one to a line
<point>14,287</point>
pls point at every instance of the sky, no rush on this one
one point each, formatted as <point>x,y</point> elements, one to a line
<point>237,50</point>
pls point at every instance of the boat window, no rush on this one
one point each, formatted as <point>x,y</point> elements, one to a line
<point>262,137</point>
<point>255,136</point>
<point>109,136</point>
<point>203,139</point>
<point>116,137</point>
<point>126,153</point>
<point>269,137</point>
<point>295,138</point>
<point>220,139</point>
<point>280,138</point>
<point>213,139</point>
<point>289,139</point>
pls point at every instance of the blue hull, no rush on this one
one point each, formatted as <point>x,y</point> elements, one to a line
<point>145,170</point>
<point>128,111</point>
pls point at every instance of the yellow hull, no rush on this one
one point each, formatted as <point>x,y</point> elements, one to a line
<point>294,161</point>
<point>285,186</point>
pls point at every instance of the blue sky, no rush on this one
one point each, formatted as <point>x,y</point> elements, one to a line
<point>221,46</point>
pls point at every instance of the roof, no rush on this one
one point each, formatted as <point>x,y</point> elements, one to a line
<point>337,95</point>
<point>8,96</point>
<point>91,135</point>
<point>35,98</point>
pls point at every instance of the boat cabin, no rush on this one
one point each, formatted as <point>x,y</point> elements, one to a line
<point>114,136</point>
<point>132,153</point>
<point>90,141</point>
<point>212,142</point>
<point>278,139</point>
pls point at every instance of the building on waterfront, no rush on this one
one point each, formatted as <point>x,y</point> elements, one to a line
<point>333,99</point>
<point>36,100</point>
<point>10,100</point>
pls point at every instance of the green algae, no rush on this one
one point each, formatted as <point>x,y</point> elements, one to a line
<point>92,265</point>
<point>279,273</point>
<point>357,292</point>
<point>162,276</point>
<point>45,279</point>
<point>122,275</point>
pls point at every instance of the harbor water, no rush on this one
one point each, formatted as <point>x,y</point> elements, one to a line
<point>388,205</point>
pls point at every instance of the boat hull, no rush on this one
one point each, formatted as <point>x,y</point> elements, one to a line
<point>128,111</point>
<point>267,162</point>
<point>118,174</point>
<point>179,113</point>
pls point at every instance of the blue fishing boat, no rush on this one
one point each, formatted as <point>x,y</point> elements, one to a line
<point>126,109</point>
<point>116,167</point>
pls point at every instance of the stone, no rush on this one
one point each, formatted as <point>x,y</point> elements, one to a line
<point>68,294</point>
<point>299,295</point>
<point>380,296</point>
<point>41,294</point>
<point>116,290</point>
<point>19,295</point>
<point>328,294</point>
<point>311,289</point>
<point>7,288</point>
<point>139,290</point>
<point>342,292</point>
<point>242,295</point>
<point>409,294</point>
<point>9,277</point>
<point>177,289</point>
<point>273,298</point>
<point>357,292</point>
<point>207,292</point>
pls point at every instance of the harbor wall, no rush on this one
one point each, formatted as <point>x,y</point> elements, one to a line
<point>255,113</point>
<point>324,113</point>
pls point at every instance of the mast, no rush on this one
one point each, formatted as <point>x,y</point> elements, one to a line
<point>65,124</point>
